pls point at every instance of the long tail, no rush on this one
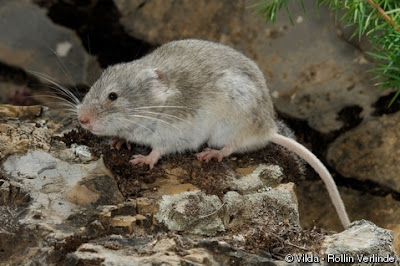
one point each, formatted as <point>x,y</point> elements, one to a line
<point>320,169</point>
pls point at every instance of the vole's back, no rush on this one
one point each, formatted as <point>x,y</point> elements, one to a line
<point>201,70</point>
<point>202,57</point>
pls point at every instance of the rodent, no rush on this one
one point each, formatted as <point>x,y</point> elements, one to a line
<point>187,93</point>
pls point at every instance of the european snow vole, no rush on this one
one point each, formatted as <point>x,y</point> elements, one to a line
<point>187,93</point>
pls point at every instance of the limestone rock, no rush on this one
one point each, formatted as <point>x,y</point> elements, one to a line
<point>116,251</point>
<point>278,204</point>
<point>191,211</point>
<point>370,151</point>
<point>46,178</point>
<point>33,42</point>
<point>263,176</point>
<point>97,254</point>
<point>362,240</point>
<point>17,136</point>
<point>20,112</point>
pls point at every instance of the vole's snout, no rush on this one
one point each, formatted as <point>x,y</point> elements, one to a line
<point>84,119</point>
<point>88,119</point>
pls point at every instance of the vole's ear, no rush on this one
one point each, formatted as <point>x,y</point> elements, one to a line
<point>154,77</point>
<point>162,77</point>
<point>157,82</point>
<point>151,74</point>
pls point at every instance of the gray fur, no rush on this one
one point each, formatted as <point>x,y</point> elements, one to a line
<point>210,82</point>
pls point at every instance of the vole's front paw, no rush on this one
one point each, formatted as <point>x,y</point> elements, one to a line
<point>117,144</point>
<point>150,159</point>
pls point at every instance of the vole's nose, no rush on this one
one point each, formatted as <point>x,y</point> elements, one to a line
<point>83,119</point>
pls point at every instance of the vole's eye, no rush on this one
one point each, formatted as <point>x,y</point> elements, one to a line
<point>112,96</point>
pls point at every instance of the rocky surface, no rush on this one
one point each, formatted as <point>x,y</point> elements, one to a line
<point>34,43</point>
<point>61,205</point>
<point>370,151</point>
<point>382,210</point>
<point>360,244</point>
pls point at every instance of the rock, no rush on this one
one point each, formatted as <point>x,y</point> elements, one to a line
<point>62,205</point>
<point>42,46</point>
<point>259,178</point>
<point>20,112</point>
<point>305,82</point>
<point>11,194</point>
<point>195,212</point>
<point>116,251</point>
<point>147,206</point>
<point>60,186</point>
<point>278,204</point>
<point>228,255</point>
<point>312,194</point>
<point>362,240</point>
<point>96,254</point>
<point>206,214</point>
<point>177,22</point>
<point>170,185</point>
<point>395,228</point>
<point>17,94</point>
<point>347,32</point>
<point>82,151</point>
<point>125,218</point>
<point>369,152</point>
<point>17,136</point>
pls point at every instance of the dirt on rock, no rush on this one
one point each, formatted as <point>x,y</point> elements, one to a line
<point>209,177</point>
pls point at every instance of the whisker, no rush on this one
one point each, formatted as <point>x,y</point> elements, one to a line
<point>55,96</point>
<point>63,104</point>
<point>66,112</point>
<point>55,91</point>
<point>171,107</point>
<point>140,125</point>
<point>61,90</point>
<point>59,87</point>
<point>156,119</point>
<point>65,91</point>
<point>166,115</point>
<point>62,66</point>
<point>164,106</point>
<point>64,69</point>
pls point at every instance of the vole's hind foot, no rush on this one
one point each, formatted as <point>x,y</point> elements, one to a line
<point>117,144</point>
<point>150,159</point>
<point>208,154</point>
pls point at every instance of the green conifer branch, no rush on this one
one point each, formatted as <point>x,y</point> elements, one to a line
<point>379,20</point>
